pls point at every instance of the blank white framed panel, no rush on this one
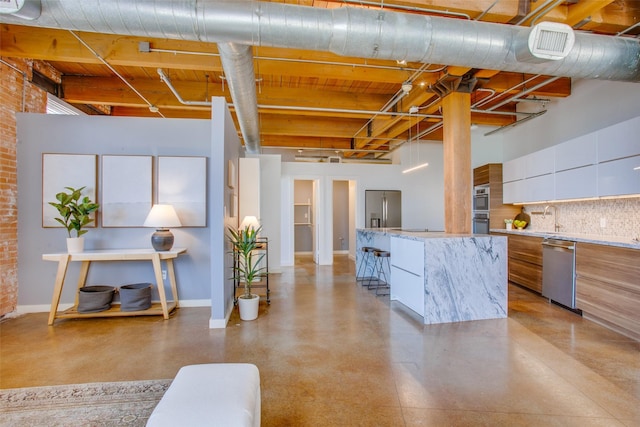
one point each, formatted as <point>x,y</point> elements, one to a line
<point>127,190</point>
<point>182,182</point>
<point>66,170</point>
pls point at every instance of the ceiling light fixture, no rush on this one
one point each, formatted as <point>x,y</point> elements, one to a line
<point>406,88</point>
<point>414,110</point>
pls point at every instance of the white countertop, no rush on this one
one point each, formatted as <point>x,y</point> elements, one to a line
<point>413,233</point>
<point>601,239</point>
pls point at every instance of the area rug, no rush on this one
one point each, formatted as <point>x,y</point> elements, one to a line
<point>127,403</point>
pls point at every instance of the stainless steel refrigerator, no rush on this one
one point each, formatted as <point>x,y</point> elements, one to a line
<point>383,208</point>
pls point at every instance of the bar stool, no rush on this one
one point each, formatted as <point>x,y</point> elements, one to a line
<point>379,258</point>
<point>364,262</point>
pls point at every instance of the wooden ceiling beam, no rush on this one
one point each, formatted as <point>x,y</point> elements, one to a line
<point>112,91</point>
<point>308,126</point>
<point>60,45</point>
<point>580,11</point>
<point>301,142</point>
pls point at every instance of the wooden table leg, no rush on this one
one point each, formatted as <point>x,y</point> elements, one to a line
<point>82,279</point>
<point>172,280</point>
<point>157,269</point>
<point>57,288</point>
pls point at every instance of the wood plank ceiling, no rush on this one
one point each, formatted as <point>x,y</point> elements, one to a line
<point>323,104</point>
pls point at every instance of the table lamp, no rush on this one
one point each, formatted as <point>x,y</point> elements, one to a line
<point>162,217</point>
<point>249,221</point>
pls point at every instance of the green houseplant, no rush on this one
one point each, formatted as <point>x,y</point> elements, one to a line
<point>75,213</point>
<point>246,267</point>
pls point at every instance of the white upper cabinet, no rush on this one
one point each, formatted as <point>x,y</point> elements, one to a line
<point>540,163</point>
<point>540,188</point>
<point>577,152</point>
<point>619,177</point>
<point>513,192</point>
<point>619,141</point>
<point>577,183</point>
<point>598,164</point>
<point>513,170</point>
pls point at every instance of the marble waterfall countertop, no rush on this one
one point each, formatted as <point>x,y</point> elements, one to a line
<point>457,277</point>
<point>632,242</point>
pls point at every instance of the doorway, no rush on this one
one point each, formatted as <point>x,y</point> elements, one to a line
<point>341,223</point>
<point>304,217</point>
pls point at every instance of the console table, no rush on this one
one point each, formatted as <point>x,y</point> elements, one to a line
<point>163,308</point>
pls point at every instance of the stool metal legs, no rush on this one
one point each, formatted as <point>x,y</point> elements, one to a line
<point>379,270</point>
<point>367,252</point>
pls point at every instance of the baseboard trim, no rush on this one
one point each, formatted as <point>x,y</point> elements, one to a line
<point>45,308</point>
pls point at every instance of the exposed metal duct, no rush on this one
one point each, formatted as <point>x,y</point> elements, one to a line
<point>237,62</point>
<point>25,9</point>
<point>346,31</point>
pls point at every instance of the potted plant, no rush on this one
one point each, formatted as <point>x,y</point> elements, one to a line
<point>75,213</point>
<point>246,267</point>
<point>508,224</point>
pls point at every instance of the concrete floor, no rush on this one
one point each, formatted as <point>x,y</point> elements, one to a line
<point>330,353</point>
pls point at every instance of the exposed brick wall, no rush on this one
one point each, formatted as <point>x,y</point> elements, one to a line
<point>12,83</point>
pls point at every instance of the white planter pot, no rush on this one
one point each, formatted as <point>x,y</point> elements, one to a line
<point>75,244</point>
<point>509,226</point>
<point>249,307</point>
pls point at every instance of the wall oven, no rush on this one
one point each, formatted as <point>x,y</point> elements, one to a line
<point>481,222</point>
<point>481,198</point>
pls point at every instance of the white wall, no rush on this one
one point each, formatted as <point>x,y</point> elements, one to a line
<point>270,195</point>
<point>486,149</point>
<point>422,194</point>
<point>249,188</point>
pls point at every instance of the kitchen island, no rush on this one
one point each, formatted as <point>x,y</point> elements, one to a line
<point>443,277</point>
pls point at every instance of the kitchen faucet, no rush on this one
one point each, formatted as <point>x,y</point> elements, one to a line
<point>556,226</point>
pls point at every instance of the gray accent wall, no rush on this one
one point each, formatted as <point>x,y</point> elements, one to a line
<point>202,274</point>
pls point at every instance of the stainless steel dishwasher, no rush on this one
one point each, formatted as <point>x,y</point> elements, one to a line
<point>559,271</point>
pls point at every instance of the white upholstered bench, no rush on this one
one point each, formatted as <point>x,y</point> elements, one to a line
<point>216,394</point>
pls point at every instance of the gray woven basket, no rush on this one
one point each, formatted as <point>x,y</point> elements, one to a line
<point>135,297</point>
<point>93,299</point>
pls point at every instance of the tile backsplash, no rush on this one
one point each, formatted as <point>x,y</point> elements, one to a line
<point>610,217</point>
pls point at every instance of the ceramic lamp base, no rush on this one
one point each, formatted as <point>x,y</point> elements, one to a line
<point>162,240</point>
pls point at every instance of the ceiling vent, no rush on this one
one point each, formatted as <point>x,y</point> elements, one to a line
<point>547,41</point>
<point>334,159</point>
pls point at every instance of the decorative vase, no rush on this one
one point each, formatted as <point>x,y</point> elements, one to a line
<point>75,244</point>
<point>249,307</point>
<point>509,226</point>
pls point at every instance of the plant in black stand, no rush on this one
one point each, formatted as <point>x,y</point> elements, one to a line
<point>247,267</point>
<point>75,213</point>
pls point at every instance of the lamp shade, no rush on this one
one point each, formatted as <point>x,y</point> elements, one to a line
<point>249,221</point>
<point>162,216</point>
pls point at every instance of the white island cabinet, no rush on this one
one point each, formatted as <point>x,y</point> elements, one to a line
<point>407,273</point>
